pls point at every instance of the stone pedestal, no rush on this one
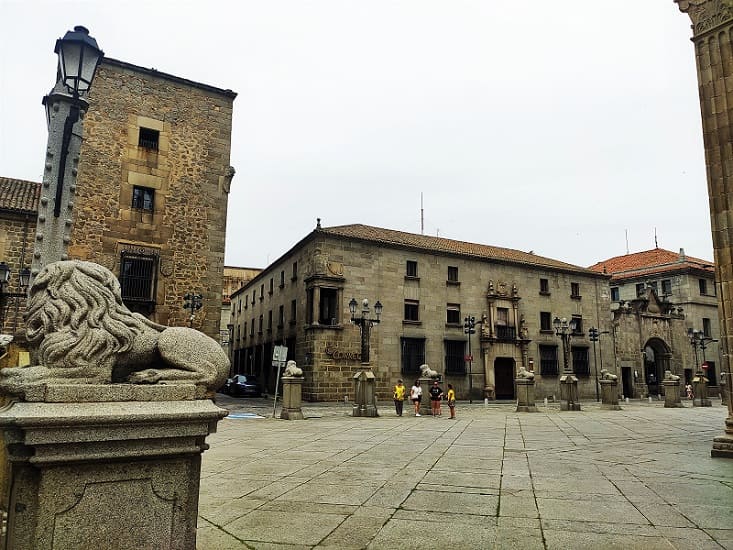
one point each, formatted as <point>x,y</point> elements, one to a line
<point>95,464</point>
<point>723,444</point>
<point>700,390</point>
<point>569,393</point>
<point>609,395</point>
<point>672,396</point>
<point>365,398</point>
<point>525,395</point>
<point>292,398</point>
<point>425,384</point>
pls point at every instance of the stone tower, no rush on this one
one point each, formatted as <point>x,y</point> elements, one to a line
<point>712,28</point>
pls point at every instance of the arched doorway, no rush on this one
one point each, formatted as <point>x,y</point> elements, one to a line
<point>656,361</point>
<point>504,377</point>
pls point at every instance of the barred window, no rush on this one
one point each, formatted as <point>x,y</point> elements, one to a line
<point>581,364</point>
<point>548,361</point>
<point>454,357</point>
<point>148,138</point>
<point>413,355</point>
<point>138,276</point>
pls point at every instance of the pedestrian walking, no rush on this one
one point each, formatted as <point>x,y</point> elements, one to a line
<point>436,395</point>
<point>399,396</point>
<point>688,389</point>
<point>452,401</point>
<point>416,396</point>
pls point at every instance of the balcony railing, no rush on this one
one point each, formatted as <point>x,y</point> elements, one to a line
<point>504,332</point>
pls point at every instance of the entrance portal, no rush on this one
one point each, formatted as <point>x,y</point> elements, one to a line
<point>504,376</point>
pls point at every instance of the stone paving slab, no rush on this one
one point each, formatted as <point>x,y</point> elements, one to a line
<point>493,479</point>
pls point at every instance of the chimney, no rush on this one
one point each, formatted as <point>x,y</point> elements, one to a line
<point>682,255</point>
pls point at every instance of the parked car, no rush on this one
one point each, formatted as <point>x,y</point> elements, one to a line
<point>243,385</point>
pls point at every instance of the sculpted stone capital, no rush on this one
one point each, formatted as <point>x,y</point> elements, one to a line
<point>706,14</point>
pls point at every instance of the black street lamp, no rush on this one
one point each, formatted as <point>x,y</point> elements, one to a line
<point>365,323</point>
<point>565,330</point>
<point>194,302</point>
<point>595,336</point>
<point>469,328</point>
<point>23,279</point>
<point>699,340</point>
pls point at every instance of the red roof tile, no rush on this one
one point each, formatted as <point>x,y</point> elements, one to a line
<point>19,195</point>
<point>650,262</point>
<point>448,246</point>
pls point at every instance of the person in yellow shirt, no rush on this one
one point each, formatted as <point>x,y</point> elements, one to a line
<point>399,396</point>
<point>452,401</point>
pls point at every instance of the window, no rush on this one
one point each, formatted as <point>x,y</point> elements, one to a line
<point>710,374</point>
<point>295,271</point>
<point>412,310</point>
<point>143,198</point>
<point>502,316</point>
<point>281,317</point>
<point>148,138</point>
<point>411,269</point>
<point>243,331</point>
<point>413,355</point>
<point>272,286</point>
<point>548,361</point>
<point>254,295</point>
<point>614,294</point>
<point>707,327</point>
<point>581,365</point>
<point>640,287</point>
<point>666,287</point>
<point>545,287</point>
<point>453,314</point>
<point>454,357</point>
<point>578,319</point>
<point>262,291</point>
<point>503,330</point>
<point>293,309</point>
<point>653,286</point>
<point>259,330</point>
<point>703,287</point>
<point>545,321</point>
<point>328,310</point>
<point>252,328</point>
<point>575,290</point>
<point>282,279</point>
<point>269,321</point>
<point>138,276</point>
<point>452,274</point>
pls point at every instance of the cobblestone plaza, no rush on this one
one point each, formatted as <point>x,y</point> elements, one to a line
<point>637,478</point>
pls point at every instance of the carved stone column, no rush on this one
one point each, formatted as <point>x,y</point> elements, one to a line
<point>712,23</point>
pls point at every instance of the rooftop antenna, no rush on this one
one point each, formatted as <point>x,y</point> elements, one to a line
<point>656,244</point>
<point>422,217</point>
<point>627,241</point>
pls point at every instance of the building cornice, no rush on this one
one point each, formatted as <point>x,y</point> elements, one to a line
<point>706,15</point>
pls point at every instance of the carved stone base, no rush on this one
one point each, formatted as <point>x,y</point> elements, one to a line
<point>525,395</point>
<point>365,400</point>
<point>292,398</point>
<point>609,395</point>
<point>700,390</point>
<point>81,470</point>
<point>723,445</point>
<point>672,397</point>
<point>569,393</point>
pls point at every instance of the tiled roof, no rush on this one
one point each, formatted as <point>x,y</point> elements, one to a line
<point>390,237</point>
<point>19,195</point>
<point>650,262</point>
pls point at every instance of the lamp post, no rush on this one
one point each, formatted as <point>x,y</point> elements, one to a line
<point>469,328</point>
<point>23,279</point>
<point>365,399</point>
<point>568,381</point>
<point>78,58</point>
<point>365,323</point>
<point>193,302</point>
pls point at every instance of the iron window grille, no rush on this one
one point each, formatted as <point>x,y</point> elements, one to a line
<point>148,138</point>
<point>454,357</point>
<point>581,364</point>
<point>548,361</point>
<point>138,279</point>
<point>413,355</point>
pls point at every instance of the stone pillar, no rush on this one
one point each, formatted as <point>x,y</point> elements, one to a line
<point>700,389</point>
<point>569,393</point>
<point>672,396</point>
<point>365,399</point>
<point>292,398</point>
<point>712,28</point>
<point>609,395</point>
<point>525,395</point>
<point>94,464</point>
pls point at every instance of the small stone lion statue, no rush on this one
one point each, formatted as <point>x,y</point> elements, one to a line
<point>292,369</point>
<point>427,372</point>
<point>606,375</point>
<point>524,373</point>
<point>80,332</point>
<point>669,376</point>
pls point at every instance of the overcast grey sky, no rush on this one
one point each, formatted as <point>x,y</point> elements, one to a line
<point>547,126</point>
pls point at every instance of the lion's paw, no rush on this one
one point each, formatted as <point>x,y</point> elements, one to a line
<point>147,376</point>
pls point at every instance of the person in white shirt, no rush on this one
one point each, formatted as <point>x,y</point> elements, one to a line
<point>416,396</point>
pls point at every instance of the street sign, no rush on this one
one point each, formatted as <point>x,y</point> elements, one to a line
<point>468,357</point>
<point>280,354</point>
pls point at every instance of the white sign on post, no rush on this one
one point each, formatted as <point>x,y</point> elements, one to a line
<point>279,356</point>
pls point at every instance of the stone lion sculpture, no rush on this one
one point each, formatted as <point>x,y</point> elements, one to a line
<point>427,372</point>
<point>606,375</point>
<point>292,369</point>
<point>80,332</point>
<point>524,373</point>
<point>669,376</point>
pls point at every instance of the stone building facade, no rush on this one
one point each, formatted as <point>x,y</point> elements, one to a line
<point>152,189</point>
<point>427,286</point>
<point>657,296</point>
<point>234,279</point>
<point>18,212</point>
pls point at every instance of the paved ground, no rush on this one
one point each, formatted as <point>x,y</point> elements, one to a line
<point>637,478</point>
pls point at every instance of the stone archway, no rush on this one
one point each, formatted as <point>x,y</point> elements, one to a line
<point>656,356</point>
